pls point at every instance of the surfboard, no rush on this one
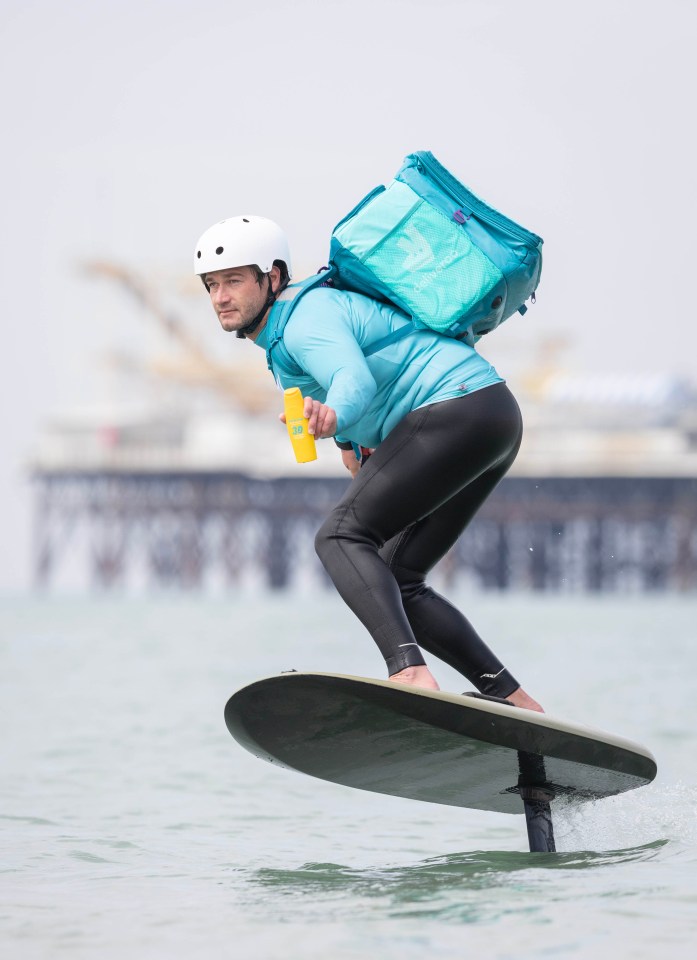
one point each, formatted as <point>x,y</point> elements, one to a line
<point>433,746</point>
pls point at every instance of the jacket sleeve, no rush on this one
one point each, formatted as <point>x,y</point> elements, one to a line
<point>322,341</point>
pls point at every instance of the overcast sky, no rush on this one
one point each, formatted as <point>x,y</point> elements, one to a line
<point>129,128</point>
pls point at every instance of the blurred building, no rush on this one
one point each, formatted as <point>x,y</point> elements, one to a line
<point>198,486</point>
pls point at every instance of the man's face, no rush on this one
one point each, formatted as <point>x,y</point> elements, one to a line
<point>236,296</point>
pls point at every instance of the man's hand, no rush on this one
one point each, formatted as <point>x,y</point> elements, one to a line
<point>351,462</point>
<point>321,418</point>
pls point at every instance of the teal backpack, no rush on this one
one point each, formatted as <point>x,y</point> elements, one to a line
<point>428,245</point>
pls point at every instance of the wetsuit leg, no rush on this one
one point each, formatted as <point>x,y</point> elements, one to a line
<point>414,489</point>
<point>439,627</point>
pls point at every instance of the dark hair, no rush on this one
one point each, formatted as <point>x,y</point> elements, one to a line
<point>259,274</point>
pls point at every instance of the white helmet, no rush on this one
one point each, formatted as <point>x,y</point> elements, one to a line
<point>241,242</point>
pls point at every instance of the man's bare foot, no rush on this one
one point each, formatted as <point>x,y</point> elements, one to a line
<point>416,677</point>
<point>520,698</point>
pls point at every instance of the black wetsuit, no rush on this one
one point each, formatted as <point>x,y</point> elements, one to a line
<point>404,511</point>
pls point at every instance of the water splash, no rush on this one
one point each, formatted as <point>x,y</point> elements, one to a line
<point>647,817</point>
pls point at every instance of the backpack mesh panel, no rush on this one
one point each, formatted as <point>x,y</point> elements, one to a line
<point>430,262</point>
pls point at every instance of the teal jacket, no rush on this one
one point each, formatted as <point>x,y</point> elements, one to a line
<point>326,336</point>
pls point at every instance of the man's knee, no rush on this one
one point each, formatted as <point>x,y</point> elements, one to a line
<point>342,531</point>
<point>323,541</point>
<point>332,530</point>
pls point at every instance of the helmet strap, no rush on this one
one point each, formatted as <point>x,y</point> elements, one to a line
<point>253,324</point>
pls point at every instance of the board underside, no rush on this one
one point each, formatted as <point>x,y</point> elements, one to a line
<point>426,745</point>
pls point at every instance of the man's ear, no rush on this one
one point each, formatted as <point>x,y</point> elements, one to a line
<point>275,276</point>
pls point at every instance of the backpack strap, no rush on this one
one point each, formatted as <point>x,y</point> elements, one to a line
<point>278,359</point>
<point>393,337</point>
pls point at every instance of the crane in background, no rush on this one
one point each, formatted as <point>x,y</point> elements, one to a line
<point>247,387</point>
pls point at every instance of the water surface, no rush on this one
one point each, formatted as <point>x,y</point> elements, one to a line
<point>130,821</point>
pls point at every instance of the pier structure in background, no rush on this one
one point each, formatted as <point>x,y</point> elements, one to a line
<point>180,479</point>
<point>137,530</point>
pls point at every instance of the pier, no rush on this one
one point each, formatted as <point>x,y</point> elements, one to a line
<point>185,530</point>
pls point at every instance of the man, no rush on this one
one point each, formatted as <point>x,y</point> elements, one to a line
<point>443,425</point>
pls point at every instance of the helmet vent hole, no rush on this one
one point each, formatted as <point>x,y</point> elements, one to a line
<point>199,254</point>
<point>219,250</point>
<point>245,220</point>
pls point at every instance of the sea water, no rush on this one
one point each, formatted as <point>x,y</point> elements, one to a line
<point>131,824</point>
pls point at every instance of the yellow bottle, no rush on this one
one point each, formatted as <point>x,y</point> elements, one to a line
<point>296,422</point>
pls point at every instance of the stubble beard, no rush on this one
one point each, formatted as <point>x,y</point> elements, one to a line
<point>243,315</point>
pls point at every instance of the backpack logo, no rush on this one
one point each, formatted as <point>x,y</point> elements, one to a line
<point>418,252</point>
<point>420,259</point>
